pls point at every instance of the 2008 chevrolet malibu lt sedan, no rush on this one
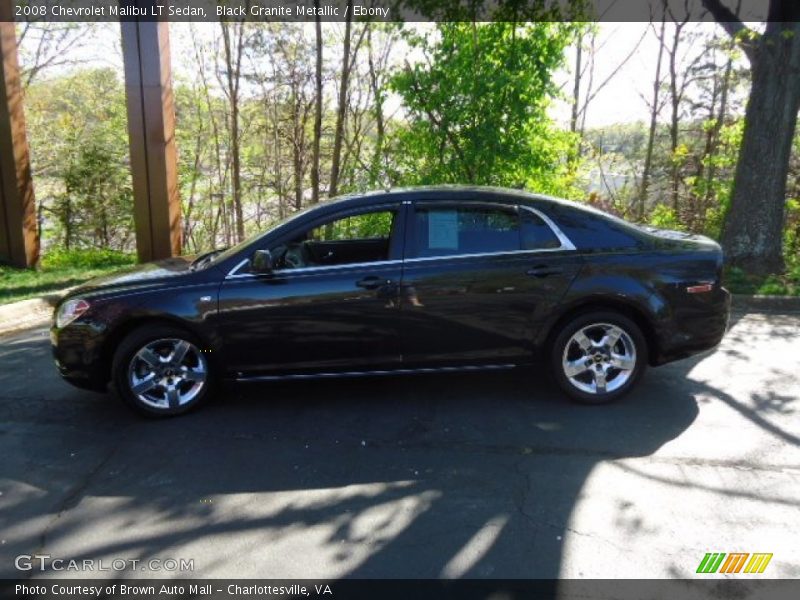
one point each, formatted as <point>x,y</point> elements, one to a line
<point>405,281</point>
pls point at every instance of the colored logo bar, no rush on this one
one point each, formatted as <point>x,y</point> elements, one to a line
<point>714,562</point>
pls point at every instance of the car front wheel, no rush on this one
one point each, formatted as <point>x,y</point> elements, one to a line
<point>161,371</point>
<point>598,357</point>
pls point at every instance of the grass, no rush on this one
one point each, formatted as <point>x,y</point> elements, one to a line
<point>59,270</point>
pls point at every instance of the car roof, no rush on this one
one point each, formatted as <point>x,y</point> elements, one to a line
<point>444,192</point>
<point>465,192</point>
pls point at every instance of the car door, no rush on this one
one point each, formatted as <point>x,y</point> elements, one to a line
<point>477,279</point>
<point>327,306</point>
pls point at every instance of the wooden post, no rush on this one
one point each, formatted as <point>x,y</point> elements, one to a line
<point>151,130</point>
<point>19,236</point>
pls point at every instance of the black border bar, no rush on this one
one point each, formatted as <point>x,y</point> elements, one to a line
<point>378,10</point>
<point>701,588</point>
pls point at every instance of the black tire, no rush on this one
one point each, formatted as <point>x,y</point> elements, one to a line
<point>576,353</point>
<point>138,340</point>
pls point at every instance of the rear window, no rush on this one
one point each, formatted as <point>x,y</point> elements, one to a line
<point>594,232</point>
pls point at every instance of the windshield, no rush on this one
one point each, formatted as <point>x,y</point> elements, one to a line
<point>219,256</point>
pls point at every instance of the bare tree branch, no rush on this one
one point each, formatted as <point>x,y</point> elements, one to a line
<point>734,26</point>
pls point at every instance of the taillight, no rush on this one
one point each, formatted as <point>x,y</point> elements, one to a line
<point>700,289</point>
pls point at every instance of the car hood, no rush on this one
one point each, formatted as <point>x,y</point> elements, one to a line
<point>144,275</point>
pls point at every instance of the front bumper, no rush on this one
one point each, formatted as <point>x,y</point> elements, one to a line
<point>76,353</point>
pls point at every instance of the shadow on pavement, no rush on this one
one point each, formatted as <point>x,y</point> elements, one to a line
<point>429,476</point>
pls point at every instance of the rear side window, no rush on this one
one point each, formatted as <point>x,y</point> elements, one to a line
<point>455,230</point>
<point>590,232</point>
<point>536,234</point>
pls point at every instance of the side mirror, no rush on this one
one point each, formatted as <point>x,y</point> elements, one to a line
<point>261,262</point>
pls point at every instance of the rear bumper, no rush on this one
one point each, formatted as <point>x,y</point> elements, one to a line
<point>697,325</point>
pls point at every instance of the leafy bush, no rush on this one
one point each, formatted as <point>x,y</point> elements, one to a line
<point>664,217</point>
<point>86,259</point>
<point>740,282</point>
<point>773,286</point>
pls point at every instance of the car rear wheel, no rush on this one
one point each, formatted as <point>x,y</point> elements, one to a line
<point>161,371</point>
<point>598,357</point>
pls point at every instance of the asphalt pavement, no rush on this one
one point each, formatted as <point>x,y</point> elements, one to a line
<point>479,475</point>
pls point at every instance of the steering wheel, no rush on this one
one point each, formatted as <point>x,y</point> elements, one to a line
<point>294,258</point>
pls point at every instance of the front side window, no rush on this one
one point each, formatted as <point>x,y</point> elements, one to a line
<point>454,230</point>
<point>367,226</point>
<point>359,238</point>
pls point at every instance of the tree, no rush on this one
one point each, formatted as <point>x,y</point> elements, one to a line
<point>233,44</point>
<point>681,75</point>
<point>379,73</point>
<point>753,228</point>
<point>293,73</point>
<point>79,149</point>
<point>582,98</point>
<point>655,108</point>
<point>477,105</point>
<point>348,60</point>
<point>317,109</point>
<point>45,46</point>
<point>713,104</point>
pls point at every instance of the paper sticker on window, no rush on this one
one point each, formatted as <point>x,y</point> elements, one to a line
<point>443,229</point>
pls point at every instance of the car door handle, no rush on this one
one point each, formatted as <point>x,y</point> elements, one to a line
<point>544,271</point>
<point>372,282</point>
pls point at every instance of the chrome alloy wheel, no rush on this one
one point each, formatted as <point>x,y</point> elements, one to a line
<point>167,373</point>
<point>599,358</point>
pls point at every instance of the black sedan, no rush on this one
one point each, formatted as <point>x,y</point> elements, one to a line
<point>406,281</point>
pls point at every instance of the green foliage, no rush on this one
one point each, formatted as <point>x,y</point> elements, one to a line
<point>357,227</point>
<point>664,217</point>
<point>792,237</point>
<point>740,282</point>
<point>79,145</point>
<point>773,286</point>
<point>86,259</point>
<point>478,107</point>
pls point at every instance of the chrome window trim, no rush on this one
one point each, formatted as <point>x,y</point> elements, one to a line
<point>239,265</point>
<point>233,274</point>
<point>566,245</point>
<point>483,254</point>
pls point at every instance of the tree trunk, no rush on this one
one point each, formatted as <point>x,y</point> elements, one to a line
<point>648,161</point>
<point>236,174</point>
<point>576,87</point>
<point>753,229</point>
<point>277,153</point>
<point>233,66</point>
<point>676,94</point>
<point>68,223</point>
<point>378,155</point>
<point>297,153</point>
<point>317,114</point>
<point>714,137</point>
<point>343,84</point>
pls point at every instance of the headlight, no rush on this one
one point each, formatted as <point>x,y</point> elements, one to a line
<point>70,310</point>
